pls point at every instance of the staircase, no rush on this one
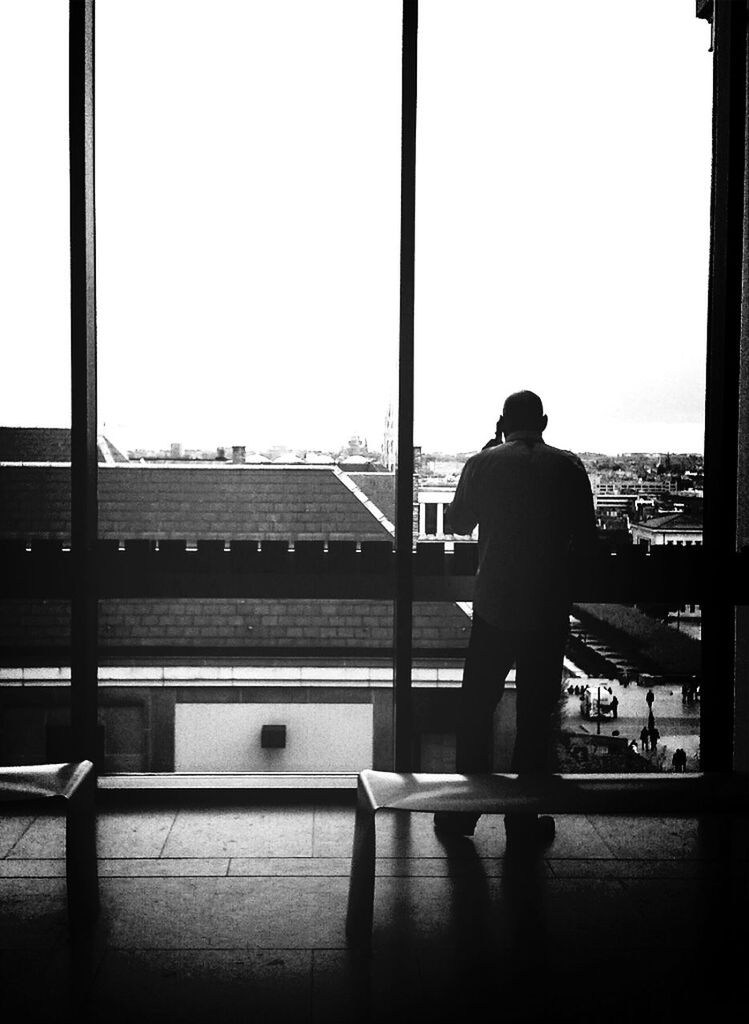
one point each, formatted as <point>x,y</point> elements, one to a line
<point>596,656</point>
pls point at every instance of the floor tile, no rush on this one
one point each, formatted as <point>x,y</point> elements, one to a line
<point>413,910</point>
<point>623,869</point>
<point>36,987</point>
<point>203,985</point>
<point>647,838</point>
<point>125,834</point>
<point>332,831</point>
<point>576,836</point>
<point>225,913</point>
<point>33,913</point>
<point>675,912</point>
<point>118,835</point>
<point>238,914</point>
<point>165,867</point>
<point>45,837</point>
<point>461,866</point>
<point>347,988</point>
<point>14,867</point>
<point>585,912</point>
<point>290,866</point>
<point>241,832</point>
<point>11,830</point>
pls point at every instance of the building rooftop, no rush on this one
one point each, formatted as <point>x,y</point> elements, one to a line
<point>236,626</point>
<point>676,521</point>
<point>225,503</point>
<point>195,502</point>
<point>47,444</point>
<point>379,487</point>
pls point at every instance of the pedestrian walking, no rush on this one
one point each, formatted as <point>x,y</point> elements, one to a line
<point>650,697</point>
<point>645,738</point>
<point>615,706</point>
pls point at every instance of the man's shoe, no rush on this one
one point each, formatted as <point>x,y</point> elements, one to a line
<point>455,823</point>
<point>529,829</point>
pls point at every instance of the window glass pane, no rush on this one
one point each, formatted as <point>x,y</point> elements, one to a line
<point>35,377</point>
<point>248,228</point>
<point>562,237</point>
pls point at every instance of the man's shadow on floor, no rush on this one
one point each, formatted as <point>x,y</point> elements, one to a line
<point>498,927</point>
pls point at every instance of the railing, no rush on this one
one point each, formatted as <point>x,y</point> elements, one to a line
<point>140,568</point>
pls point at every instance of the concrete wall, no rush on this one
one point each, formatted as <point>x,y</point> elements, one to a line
<point>200,727</point>
<point>226,737</point>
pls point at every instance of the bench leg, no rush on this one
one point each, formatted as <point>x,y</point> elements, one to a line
<point>362,877</point>
<point>80,855</point>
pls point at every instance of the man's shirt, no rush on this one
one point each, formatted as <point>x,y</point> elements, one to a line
<point>534,510</point>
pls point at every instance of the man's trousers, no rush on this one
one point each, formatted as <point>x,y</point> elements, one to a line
<point>538,657</point>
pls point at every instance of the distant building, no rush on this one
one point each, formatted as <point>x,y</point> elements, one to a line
<point>676,528</point>
<point>387,454</point>
<point>614,504</point>
<point>432,500</point>
<point>663,485</point>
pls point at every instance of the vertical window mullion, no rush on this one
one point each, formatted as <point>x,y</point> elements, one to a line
<point>83,470</point>
<point>404,477</point>
<point>721,408</point>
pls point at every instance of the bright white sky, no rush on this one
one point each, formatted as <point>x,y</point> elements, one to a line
<point>248,220</point>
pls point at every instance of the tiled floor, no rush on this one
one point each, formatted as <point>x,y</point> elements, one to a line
<point>236,913</point>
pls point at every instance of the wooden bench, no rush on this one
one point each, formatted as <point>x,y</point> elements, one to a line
<point>499,794</point>
<point>71,787</point>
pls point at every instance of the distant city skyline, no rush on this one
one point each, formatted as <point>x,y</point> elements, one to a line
<point>248,222</point>
<point>375,450</point>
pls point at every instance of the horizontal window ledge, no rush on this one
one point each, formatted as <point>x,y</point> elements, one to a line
<point>665,793</point>
<point>207,781</point>
<point>619,585</point>
<point>157,654</point>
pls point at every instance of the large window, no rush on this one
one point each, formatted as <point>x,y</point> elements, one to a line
<point>35,375</point>
<point>562,235</point>
<point>247,202</point>
<point>247,243</point>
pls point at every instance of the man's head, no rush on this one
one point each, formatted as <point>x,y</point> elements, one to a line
<point>523,410</point>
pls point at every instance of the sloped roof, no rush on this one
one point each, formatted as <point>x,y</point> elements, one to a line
<point>236,623</point>
<point>379,488</point>
<point>674,521</point>
<point>47,444</point>
<point>194,502</point>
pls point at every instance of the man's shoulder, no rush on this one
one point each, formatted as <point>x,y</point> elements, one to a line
<point>508,452</point>
<point>513,449</point>
<point>565,455</point>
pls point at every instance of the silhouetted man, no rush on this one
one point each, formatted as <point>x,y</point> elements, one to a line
<point>534,510</point>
